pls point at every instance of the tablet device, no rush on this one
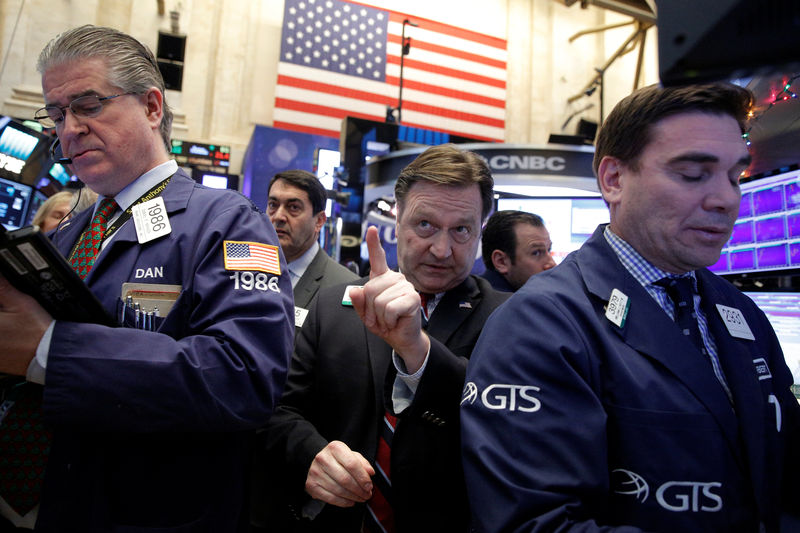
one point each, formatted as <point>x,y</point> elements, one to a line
<point>34,266</point>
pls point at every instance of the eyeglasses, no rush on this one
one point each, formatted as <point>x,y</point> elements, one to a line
<point>84,106</point>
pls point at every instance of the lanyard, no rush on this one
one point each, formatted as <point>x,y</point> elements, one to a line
<point>149,195</point>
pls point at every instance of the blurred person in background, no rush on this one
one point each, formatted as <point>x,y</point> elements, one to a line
<point>515,245</point>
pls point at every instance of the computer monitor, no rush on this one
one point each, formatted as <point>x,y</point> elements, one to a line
<point>217,181</point>
<point>783,311</point>
<point>36,202</point>
<point>766,236</point>
<point>17,144</point>
<point>570,221</point>
<point>59,173</point>
<point>327,164</point>
<point>214,181</point>
<point>14,200</point>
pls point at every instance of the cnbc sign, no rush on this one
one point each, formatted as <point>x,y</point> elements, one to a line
<point>521,160</point>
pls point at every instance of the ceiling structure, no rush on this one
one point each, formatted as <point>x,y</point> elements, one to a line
<point>641,10</point>
<point>774,130</point>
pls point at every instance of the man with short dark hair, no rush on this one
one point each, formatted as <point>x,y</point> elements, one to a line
<point>515,245</point>
<point>296,207</point>
<point>630,389</point>
<point>388,359</point>
<point>151,421</point>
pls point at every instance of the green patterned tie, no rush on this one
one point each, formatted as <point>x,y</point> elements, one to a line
<point>88,247</point>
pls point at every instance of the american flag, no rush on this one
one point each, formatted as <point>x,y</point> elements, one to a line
<point>343,59</point>
<point>252,256</point>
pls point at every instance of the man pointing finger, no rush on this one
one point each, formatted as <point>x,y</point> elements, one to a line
<point>390,307</point>
<point>377,375</point>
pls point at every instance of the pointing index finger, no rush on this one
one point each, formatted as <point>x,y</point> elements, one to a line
<point>377,256</point>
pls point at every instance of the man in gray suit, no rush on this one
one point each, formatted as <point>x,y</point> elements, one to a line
<point>296,207</point>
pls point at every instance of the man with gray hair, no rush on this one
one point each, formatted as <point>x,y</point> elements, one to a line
<point>151,422</point>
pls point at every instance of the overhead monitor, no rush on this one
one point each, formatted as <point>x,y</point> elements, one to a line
<point>16,146</point>
<point>14,200</point>
<point>327,164</point>
<point>216,181</point>
<point>705,40</point>
<point>208,157</point>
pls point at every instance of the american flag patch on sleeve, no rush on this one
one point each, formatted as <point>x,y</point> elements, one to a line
<point>252,256</point>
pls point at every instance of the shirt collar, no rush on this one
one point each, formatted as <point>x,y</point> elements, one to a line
<point>642,270</point>
<point>128,196</point>
<point>299,265</point>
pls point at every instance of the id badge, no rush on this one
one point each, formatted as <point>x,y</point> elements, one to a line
<point>151,220</point>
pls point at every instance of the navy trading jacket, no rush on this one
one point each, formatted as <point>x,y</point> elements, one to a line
<point>571,422</point>
<point>152,428</point>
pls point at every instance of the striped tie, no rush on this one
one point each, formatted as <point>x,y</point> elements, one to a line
<point>380,517</point>
<point>425,298</point>
<point>82,259</point>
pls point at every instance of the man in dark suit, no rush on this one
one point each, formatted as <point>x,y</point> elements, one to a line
<point>365,353</point>
<point>296,207</point>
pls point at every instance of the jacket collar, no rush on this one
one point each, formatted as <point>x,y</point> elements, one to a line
<point>649,330</point>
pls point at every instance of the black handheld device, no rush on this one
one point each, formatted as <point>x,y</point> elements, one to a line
<point>34,266</point>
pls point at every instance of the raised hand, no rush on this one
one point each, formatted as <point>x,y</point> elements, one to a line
<point>390,307</point>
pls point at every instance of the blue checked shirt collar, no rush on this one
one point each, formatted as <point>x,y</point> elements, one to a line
<point>642,270</point>
<point>647,274</point>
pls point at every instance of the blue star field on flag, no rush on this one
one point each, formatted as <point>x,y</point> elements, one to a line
<point>335,36</point>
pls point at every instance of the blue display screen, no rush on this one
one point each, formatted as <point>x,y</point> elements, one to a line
<point>17,143</point>
<point>37,200</point>
<point>60,174</point>
<point>14,200</point>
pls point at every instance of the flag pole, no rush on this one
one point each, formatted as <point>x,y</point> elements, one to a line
<point>406,44</point>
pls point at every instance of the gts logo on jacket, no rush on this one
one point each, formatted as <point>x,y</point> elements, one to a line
<point>675,496</point>
<point>504,396</point>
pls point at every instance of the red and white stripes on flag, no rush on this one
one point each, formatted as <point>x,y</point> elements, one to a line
<point>342,59</point>
<point>240,255</point>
